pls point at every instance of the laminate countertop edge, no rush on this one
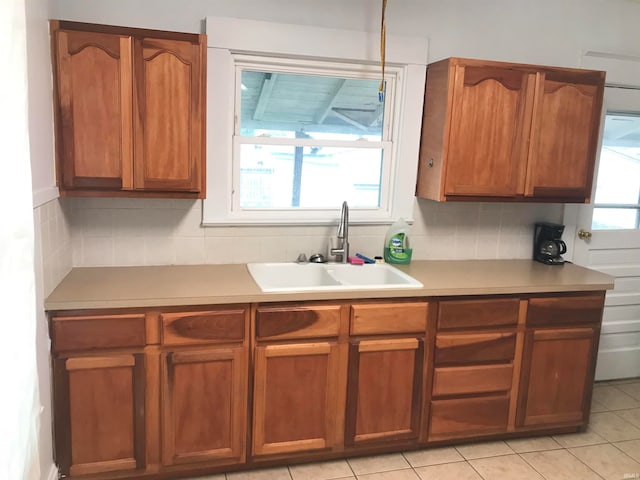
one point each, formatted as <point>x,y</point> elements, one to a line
<point>181,285</point>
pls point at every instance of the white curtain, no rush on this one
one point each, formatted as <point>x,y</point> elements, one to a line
<point>19,397</point>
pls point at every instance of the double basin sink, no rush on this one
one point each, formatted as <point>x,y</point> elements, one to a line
<point>307,277</point>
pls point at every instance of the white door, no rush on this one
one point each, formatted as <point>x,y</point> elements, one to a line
<point>607,235</point>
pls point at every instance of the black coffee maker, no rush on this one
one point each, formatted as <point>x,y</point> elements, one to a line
<point>547,246</point>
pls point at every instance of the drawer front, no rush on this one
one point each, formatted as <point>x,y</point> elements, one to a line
<point>472,379</point>
<point>478,313</point>
<point>380,318</point>
<point>565,310</point>
<point>468,417</point>
<point>211,326</point>
<point>453,349</point>
<point>298,321</point>
<point>101,331</point>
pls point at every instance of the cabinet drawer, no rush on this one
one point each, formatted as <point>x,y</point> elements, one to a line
<point>565,310</point>
<point>298,321</point>
<point>212,326</point>
<point>472,379</point>
<point>381,318</point>
<point>478,313</point>
<point>474,347</point>
<point>101,331</point>
<point>468,417</point>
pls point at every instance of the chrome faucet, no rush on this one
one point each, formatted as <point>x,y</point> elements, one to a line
<point>342,252</point>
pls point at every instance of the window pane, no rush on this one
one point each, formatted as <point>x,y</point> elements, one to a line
<point>614,218</point>
<point>306,106</point>
<point>276,176</point>
<point>619,171</point>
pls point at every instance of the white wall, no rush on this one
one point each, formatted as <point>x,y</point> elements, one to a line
<point>53,256</point>
<point>543,31</point>
<point>126,232</point>
<point>40,102</point>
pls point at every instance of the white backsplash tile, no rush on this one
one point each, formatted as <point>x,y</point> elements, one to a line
<point>167,231</point>
<point>53,232</point>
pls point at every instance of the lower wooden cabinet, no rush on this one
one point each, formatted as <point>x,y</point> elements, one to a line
<point>204,405</point>
<point>558,360</point>
<point>295,395</point>
<point>198,390</point>
<point>99,413</point>
<point>558,367</point>
<point>473,360</point>
<point>384,393</point>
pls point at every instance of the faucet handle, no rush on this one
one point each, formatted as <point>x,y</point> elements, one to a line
<point>302,258</point>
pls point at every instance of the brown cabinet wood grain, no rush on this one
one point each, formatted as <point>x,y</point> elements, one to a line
<point>508,132</point>
<point>295,397</point>
<point>557,376</point>
<point>99,413</point>
<point>177,392</point>
<point>468,417</point>
<point>130,111</point>
<point>384,391</point>
<point>388,318</point>
<point>91,332</point>
<point>204,405</point>
<point>298,321</point>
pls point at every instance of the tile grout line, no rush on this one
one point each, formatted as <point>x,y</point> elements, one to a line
<point>588,466</point>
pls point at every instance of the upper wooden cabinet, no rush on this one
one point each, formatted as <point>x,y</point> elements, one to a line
<point>509,132</point>
<point>130,111</point>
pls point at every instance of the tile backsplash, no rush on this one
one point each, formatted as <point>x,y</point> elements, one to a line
<point>52,231</point>
<point>161,231</point>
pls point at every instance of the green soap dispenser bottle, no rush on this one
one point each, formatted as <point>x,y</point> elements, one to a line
<point>396,243</point>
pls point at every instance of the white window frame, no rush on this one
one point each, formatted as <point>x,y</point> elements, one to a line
<point>233,42</point>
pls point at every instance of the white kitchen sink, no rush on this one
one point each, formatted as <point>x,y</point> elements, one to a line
<point>307,277</point>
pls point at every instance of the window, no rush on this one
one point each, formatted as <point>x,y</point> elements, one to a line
<point>617,198</point>
<point>295,127</point>
<point>310,137</point>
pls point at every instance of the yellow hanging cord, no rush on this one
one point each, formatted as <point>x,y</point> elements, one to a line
<point>383,40</point>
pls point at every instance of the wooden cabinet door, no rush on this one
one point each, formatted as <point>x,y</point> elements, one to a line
<point>99,413</point>
<point>169,121</point>
<point>384,390</point>
<point>486,153</point>
<point>557,376</point>
<point>204,405</point>
<point>295,397</point>
<point>565,135</point>
<point>94,83</point>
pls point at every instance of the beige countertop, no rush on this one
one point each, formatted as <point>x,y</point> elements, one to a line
<point>175,285</point>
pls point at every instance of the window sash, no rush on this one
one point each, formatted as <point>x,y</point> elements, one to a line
<point>307,214</point>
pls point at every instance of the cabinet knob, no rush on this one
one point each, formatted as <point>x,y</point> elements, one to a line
<point>584,235</point>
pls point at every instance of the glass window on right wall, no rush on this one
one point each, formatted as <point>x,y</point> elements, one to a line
<point>617,196</point>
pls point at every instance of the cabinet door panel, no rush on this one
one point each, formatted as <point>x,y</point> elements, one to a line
<point>557,375</point>
<point>485,155</point>
<point>564,139</point>
<point>94,88</point>
<point>169,119</point>
<point>295,397</point>
<point>204,405</point>
<point>384,390</point>
<point>99,413</point>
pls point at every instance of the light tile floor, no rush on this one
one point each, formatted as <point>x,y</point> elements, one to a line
<point>609,449</point>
